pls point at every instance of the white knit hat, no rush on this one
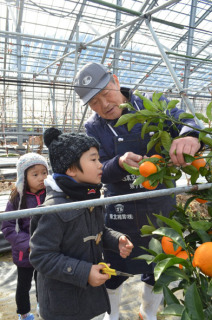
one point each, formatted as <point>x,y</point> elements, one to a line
<point>26,161</point>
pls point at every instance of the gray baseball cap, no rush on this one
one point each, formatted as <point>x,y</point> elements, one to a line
<point>90,80</point>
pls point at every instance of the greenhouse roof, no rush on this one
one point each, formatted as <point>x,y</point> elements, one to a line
<point>48,41</point>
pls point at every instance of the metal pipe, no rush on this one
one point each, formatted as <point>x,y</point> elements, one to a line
<point>172,73</point>
<point>19,77</point>
<point>100,202</point>
<point>113,31</point>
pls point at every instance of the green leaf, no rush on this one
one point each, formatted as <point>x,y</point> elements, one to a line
<point>185,115</point>
<point>188,158</point>
<point>161,256</point>
<point>163,105</point>
<point>173,309</point>
<point>127,105</point>
<point>169,262</point>
<point>171,233</point>
<point>148,113</point>
<point>177,273</point>
<point>172,104</point>
<point>190,170</point>
<point>171,223</point>
<point>170,298</point>
<point>152,128</point>
<point>147,229</point>
<point>131,123</point>
<point>143,130</point>
<point>146,257</point>
<point>150,222</point>
<point>132,170</point>
<point>204,236</point>
<point>194,178</point>
<point>208,111</point>
<point>201,225</point>
<point>193,303</point>
<point>208,313</point>
<point>164,280</point>
<point>168,183</point>
<point>200,116</point>
<point>155,245</point>
<point>185,316</point>
<point>139,180</point>
<point>206,140</point>
<point>166,140</point>
<point>210,288</point>
<point>124,119</point>
<point>156,97</point>
<point>148,104</point>
<point>152,252</point>
<point>151,144</point>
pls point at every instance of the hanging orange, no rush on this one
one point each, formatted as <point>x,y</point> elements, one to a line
<point>168,247</point>
<point>198,163</point>
<point>201,200</point>
<point>147,168</point>
<point>146,184</point>
<point>183,255</point>
<point>203,258</point>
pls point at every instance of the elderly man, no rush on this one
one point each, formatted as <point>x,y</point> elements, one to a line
<point>97,87</point>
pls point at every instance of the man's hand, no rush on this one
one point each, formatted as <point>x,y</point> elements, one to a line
<point>131,159</point>
<point>125,246</point>
<point>189,145</point>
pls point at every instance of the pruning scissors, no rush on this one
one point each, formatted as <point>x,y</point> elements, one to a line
<point>113,272</point>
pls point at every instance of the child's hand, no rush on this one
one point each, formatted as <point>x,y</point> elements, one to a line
<point>125,246</point>
<point>96,278</point>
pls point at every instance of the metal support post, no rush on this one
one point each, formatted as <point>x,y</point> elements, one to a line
<point>172,72</point>
<point>189,47</point>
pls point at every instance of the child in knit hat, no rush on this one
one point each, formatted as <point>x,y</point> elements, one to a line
<point>66,247</point>
<point>29,192</point>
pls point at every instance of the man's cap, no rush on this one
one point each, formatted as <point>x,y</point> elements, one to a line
<point>90,80</point>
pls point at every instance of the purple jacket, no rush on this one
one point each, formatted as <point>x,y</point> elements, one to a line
<point>20,241</point>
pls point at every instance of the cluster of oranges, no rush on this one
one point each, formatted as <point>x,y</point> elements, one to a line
<point>146,169</point>
<point>202,256</point>
<point>168,248</point>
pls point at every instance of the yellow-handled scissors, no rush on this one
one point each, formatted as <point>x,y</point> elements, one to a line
<point>113,272</point>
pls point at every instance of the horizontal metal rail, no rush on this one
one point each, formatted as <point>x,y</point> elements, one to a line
<point>99,202</point>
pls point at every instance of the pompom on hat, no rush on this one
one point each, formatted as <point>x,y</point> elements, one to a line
<point>66,148</point>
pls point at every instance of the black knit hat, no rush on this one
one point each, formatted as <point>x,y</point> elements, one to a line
<point>66,148</point>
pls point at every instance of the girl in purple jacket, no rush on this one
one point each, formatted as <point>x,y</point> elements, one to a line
<point>29,192</point>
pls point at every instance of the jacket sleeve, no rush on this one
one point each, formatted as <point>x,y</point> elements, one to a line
<point>19,240</point>
<point>111,239</point>
<point>46,255</point>
<point>112,172</point>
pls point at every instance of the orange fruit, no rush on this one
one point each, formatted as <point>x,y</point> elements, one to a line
<point>147,168</point>
<point>183,255</point>
<point>198,163</point>
<point>146,184</point>
<point>201,200</point>
<point>158,156</point>
<point>203,258</point>
<point>168,247</point>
